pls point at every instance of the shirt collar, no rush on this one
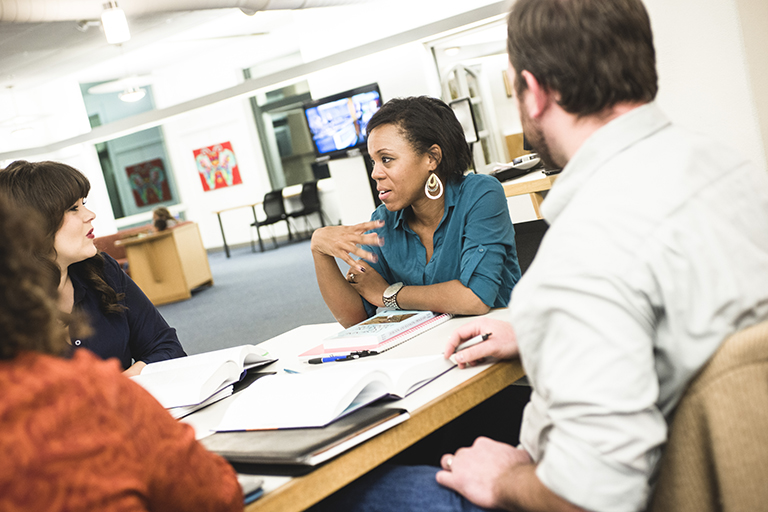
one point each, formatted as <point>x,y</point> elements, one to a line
<point>78,283</point>
<point>451,193</point>
<point>601,146</point>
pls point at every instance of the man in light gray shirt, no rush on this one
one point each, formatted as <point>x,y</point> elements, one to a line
<point>657,251</point>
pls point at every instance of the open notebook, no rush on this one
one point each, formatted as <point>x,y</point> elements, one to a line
<point>317,398</point>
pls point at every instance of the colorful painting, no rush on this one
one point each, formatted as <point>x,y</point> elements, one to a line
<point>217,166</point>
<point>149,182</point>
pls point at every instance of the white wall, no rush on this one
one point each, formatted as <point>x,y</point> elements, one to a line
<point>703,76</point>
<point>228,121</point>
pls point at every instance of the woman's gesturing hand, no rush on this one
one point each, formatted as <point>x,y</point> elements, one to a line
<point>344,241</point>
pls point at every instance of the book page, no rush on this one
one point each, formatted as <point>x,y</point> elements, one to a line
<point>316,398</point>
<point>188,385</point>
<point>303,400</point>
<point>214,358</point>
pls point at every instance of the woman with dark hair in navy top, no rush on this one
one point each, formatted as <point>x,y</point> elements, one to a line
<point>124,323</point>
<point>441,241</point>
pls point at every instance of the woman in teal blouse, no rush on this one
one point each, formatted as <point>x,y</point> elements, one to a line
<point>441,241</point>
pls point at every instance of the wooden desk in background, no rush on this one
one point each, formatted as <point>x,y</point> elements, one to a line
<point>431,407</point>
<point>167,265</point>
<point>534,184</point>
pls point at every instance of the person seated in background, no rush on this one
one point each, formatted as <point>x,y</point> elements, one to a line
<point>125,324</point>
<point>441,241</point>
<point>647,267</point>
<point>162,219</point>
<point>76,434</point>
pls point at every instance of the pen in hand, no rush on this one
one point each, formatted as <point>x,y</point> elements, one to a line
<point>473,341</point>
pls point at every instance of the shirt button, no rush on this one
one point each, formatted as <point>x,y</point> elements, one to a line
<point>78,342</point>
<point>482,249</point>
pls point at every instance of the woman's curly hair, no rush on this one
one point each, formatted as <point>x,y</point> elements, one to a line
<point>51,188</point>
<point>28,313</point>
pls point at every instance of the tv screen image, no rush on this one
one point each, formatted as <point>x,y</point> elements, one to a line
<point>338,123</point>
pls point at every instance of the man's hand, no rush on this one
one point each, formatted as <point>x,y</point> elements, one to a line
<point>499,476</point>
<point>502,344</point>
<point>482,473</point>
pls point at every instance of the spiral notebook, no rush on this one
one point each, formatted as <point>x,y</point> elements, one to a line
<point>379,333</point>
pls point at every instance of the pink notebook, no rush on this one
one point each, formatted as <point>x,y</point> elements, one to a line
<point>370,342</point>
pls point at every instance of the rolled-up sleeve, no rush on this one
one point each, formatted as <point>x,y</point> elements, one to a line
<point>592,426</point>
<point>488,244</point>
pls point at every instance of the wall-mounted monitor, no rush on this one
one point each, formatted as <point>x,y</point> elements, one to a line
<point>338,123</point>
<point>462,107</point>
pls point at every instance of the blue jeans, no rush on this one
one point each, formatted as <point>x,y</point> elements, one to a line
<point>397,489</point>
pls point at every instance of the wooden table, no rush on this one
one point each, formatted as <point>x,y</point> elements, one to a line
<point>169,264</point>
<point>534,184</point>
<point>430,407</point>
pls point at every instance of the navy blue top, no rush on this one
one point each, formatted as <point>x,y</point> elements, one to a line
<point>139,333</point>
<point>474,243</point>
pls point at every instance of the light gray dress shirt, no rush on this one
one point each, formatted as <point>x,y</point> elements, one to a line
<point>657,251</point>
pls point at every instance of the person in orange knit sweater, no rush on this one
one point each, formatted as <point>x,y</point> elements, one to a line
<point>76,433</point>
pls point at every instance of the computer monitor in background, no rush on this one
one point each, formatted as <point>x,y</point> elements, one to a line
<point>462,107</point>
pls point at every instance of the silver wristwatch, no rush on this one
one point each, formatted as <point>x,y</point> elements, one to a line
<point>390,296</point>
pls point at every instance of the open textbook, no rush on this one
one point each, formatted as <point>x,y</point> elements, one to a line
<point>381,332</point>
<point>187,382</point>
<point>316,398</point>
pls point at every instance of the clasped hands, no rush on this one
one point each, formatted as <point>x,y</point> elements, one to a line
<point>345,241</point>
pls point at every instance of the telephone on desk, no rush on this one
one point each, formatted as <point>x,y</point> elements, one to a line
<point>521,166</point>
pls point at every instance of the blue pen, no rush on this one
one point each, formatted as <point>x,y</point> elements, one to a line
<point>331,359</point>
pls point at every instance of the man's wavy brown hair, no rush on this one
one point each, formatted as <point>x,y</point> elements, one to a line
<point>28,313</point>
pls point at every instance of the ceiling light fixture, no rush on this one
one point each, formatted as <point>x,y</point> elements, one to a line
<point>114,23</point>
<point>132,94</point>
<point>453,51</point>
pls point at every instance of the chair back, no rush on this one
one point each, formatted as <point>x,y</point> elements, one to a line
<point>310,197</point>
<point>716,458</point>
<point>274,207</point>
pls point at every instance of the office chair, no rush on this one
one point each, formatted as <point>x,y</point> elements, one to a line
<point>528,236</point>
<point>716,458</point>
<point>274,208</point>
<point>310,203</point>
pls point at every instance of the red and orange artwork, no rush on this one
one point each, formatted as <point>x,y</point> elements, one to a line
<point>149,182</point>
<point>217,166</point>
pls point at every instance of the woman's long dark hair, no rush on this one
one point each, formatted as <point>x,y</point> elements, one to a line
<point>50,189</point>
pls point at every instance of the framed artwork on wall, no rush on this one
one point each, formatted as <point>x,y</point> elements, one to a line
<point>149,182</point>
<point>217,166</point>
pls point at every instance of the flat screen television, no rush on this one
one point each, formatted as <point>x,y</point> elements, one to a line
<point>337,123</point>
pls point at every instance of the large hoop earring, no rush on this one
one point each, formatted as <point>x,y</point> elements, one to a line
<point>434,187</point>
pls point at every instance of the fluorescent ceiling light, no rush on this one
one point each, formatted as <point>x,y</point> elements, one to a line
<point>132,95</point>
<point>114,23</point>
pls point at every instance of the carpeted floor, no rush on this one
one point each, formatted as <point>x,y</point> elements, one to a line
<point>255,296</point>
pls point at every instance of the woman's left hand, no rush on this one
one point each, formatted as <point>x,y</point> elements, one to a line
<point>367,282</point>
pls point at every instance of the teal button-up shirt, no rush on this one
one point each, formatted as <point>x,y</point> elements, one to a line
<point>474,243</point>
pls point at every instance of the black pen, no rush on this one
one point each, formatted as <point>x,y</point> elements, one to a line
<point>474,341</point>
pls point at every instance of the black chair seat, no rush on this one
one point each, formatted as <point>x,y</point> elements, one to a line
<point>274,209</point>
<point>310,202</point>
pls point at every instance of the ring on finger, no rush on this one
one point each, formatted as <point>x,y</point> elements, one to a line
<point>351,277</point>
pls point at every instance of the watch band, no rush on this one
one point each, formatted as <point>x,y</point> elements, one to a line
<point>390,296</point>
